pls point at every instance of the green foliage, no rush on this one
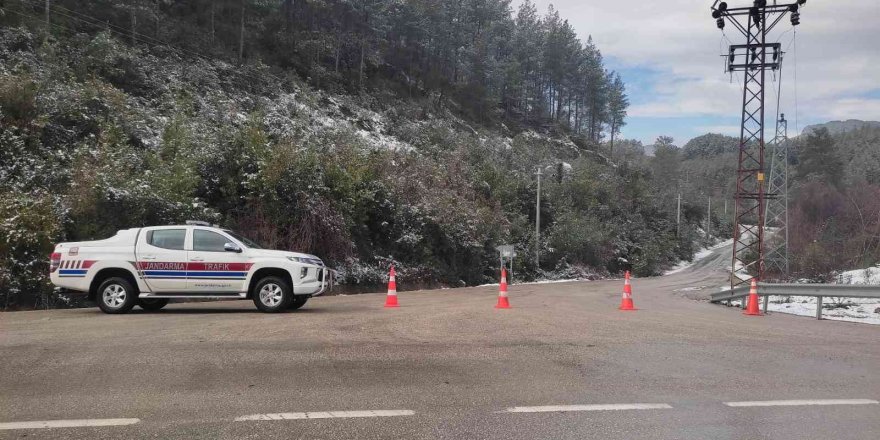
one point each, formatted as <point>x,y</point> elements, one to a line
<point>820,159</point>
<point>29,225</point>
<point>709,145</point>
<point>17,99</point>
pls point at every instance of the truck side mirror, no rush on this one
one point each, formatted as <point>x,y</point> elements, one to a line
<point>231,247</point>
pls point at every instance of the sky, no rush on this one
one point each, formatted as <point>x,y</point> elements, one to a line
<point>668,54</point>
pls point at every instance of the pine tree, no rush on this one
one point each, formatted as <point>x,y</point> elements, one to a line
<point>617,105</point>
<point>820,159</point>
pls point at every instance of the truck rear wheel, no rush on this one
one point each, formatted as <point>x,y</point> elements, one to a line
<point>298,301</point>
<point>272,295</point>
<point>116,295</point>
<point>152,304</point>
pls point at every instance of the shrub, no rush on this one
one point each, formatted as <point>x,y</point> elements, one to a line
<point>29,227</point>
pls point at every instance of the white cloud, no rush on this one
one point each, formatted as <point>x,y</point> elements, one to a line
<point>836,55</point>
<point>694,97</point>
<point>855,108</point>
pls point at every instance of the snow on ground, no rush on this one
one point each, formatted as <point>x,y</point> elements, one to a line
<point>863,310</point>
<point>702,254</point>
<point>870,275</point>
<point>841,309</point>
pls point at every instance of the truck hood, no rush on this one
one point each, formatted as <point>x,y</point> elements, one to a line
<point>267,253</point>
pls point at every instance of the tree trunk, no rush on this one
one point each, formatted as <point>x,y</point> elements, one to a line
<point>336,61</point>
<point>157,19</point>
<point>212,22</point>
<point>361,68</point>
<point>611,149</point>
<point>363,48</point>
<point>568,109</point>
<point>241,34</point>
<point>593,125</point>
<point>287,8</point>
<point>133,25</point>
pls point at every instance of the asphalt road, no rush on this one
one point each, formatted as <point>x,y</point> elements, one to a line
<point>449,365</point>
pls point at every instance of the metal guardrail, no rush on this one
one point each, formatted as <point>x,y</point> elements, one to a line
<point>818,291</point>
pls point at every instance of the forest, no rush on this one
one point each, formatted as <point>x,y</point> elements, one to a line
<point>369,133</point>
<point>492,64</point>
<point>834,184</point>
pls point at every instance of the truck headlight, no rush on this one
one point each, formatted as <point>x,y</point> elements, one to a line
<point>305,260</point>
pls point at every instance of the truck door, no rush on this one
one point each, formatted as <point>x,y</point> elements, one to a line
<point>162,258</point>
<point>216,263</point>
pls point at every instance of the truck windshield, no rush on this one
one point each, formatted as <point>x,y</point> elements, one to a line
<point>247,241</point>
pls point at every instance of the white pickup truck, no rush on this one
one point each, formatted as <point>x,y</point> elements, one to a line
<point>149,266</point>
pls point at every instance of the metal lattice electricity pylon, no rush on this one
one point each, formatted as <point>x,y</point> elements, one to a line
<point>777,205</point>
<point>754,59</point>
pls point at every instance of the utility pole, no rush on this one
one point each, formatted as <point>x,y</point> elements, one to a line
<point>678,217</point>
<point>753,59</point>
<point>709,219</point>
<point>538,222</point>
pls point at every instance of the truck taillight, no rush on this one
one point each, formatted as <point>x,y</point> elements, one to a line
<point>54,261</point>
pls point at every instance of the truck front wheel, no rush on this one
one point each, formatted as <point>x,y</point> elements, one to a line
<point>272,294</point>
<point>116,295</point>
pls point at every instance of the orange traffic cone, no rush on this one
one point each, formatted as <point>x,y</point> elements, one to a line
<point>627,302</point>
<point>503,303</point>
<point>391,298</point>
<point>752,305</point>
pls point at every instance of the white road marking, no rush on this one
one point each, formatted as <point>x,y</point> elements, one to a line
<point>327,415</point>
<point>599,407</point>
<point>805,402</point>
<point>67,423</point>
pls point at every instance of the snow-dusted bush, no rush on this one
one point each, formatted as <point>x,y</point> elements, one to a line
<point>29,227</point>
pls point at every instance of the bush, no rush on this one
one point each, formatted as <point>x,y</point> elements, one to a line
<point>29,227</point>
<point>18,99</point>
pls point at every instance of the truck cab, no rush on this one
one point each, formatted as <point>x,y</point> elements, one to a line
<point>149,266</point>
